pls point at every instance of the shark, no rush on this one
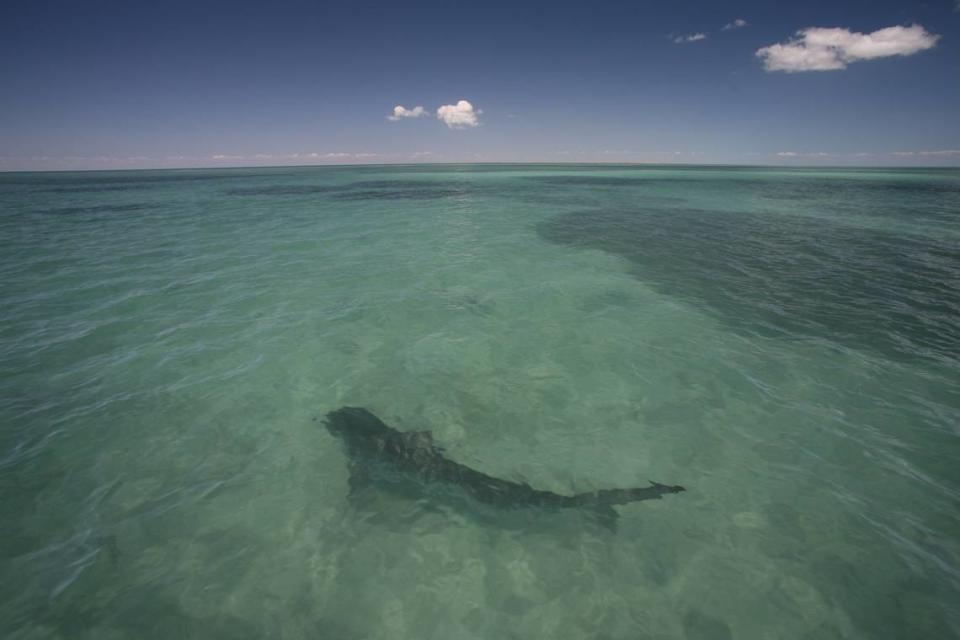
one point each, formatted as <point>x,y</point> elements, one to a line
<point>379,454</point>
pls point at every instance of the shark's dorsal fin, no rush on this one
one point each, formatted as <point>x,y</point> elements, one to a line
<point>419,440</point>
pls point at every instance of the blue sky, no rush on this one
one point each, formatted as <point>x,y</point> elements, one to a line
<point>111,84</point>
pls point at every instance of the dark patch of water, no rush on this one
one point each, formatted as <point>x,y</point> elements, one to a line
<point>99,208</point>
<point>94,181</point>
<point>408,193</point>
<point>593,181</point>
<point>97,188</point>
<point>786,186</point>
<point>788,276</point>
<point>282,190</point>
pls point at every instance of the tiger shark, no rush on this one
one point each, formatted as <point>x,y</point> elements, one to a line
<point>383,455</point>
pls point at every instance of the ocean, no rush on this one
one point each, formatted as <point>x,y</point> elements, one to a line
<point>782,342</point>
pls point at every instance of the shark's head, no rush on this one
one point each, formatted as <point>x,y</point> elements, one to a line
<point>356,425</point>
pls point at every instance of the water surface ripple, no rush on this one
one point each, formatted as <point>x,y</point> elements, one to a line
<point>785,343</point>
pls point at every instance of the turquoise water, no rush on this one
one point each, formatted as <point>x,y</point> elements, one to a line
<point>784,343</point>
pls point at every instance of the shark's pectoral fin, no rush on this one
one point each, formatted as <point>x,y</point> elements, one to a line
<point>359,481</point>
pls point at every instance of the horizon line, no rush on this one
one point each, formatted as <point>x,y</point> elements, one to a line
<point>486,163</point>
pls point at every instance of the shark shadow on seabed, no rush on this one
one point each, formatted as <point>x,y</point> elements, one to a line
<point>411,466</point>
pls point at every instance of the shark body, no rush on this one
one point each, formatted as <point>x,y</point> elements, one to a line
<point>378,452</point>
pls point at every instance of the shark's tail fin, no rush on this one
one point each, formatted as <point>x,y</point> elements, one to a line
<point>609,497</point>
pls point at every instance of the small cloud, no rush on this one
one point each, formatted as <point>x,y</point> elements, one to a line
<point>936,152</point>
<point>459,116</point>
<point>692,37</point>
<point>794,154</point>
<point>400,112</point>
<point>340,155</point>
<point>829,49</point>
<point>740,23</point>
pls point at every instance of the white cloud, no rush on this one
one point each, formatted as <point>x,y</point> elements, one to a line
<point>693,37</point>
<point>794,154</point>
<point>334,155</point>
<point>460,115</point>
<point>289,157</point>
<point>400,111</point>
<point>740,23</point>
<point>946,154</point>
<point>828,49</point>
<point>937,152</point>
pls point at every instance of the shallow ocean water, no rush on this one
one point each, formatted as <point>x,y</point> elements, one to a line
<point>785,343</point>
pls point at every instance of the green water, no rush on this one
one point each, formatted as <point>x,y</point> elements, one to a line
<point>783,343</point>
